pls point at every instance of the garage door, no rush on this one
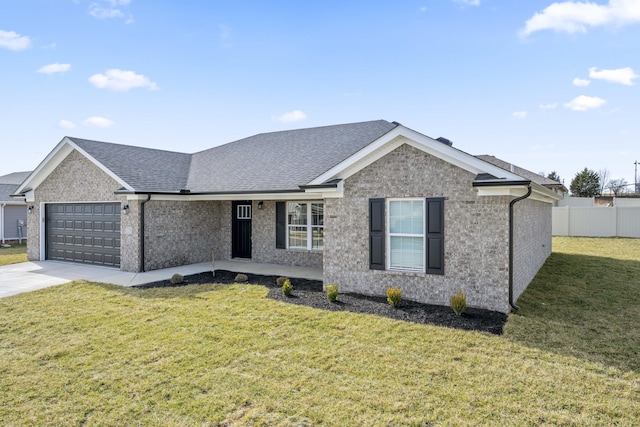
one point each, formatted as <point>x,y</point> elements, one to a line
<point>83,232</point>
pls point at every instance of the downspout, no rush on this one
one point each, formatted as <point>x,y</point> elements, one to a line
<point>511,204</point>
<point>141,267</point>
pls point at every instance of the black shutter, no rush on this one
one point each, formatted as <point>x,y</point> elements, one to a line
<point>281,225</point>
<point>435,235</point>
<point>376,234</point>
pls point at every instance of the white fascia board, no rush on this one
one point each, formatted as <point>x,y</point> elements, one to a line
<point>314,194</point>
<point>30,196</point>
<point>53,160</point>
<point>538,192</point>
<point>403,135</point>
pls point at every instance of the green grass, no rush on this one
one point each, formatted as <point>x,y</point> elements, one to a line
<point>15,254</point>
<point>585,302</point>
<point>90,354</point>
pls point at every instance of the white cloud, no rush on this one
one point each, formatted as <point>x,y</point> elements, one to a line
<point>584,103</point>
<point>624,76</point>
<point>110,9</point>
<point>581,82</point>
<point>519,114</point>
<point>121,80</point>
<point>549,106</point>
<point>574,17</point>
<point>468,2</point>
<point>66,124</point>
<point>54,68</point>
<point>14,41</point>
<point>98,122</point>
<point>292,116</point>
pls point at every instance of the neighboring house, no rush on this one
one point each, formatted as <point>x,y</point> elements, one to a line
<point>13,211</point>
<point>373,204</point>
<point>535,177</point>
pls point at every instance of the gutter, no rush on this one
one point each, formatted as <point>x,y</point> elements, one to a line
<point>141,266</point>
<point>511,204</point>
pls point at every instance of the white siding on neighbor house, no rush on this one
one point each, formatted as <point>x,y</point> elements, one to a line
<point>11,216</point>
<point>576,202</point>
<point>626,202</point>
<point>596,221</point>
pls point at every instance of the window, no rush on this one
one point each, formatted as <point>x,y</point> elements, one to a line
<point>406,234</point>
<point>305,225</point>
<point>244,212</point>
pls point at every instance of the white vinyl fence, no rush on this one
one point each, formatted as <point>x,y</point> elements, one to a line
<point>598,221</point>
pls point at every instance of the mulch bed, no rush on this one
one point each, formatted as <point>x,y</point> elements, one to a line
<point>310,293</point>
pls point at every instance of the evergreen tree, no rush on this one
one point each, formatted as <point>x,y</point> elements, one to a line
<point>585,184</point>
<point>554,176</point>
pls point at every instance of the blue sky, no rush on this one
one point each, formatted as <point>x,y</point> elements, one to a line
<point>547,86</point>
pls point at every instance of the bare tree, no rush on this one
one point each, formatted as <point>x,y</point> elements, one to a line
<point>617,186</point>
<point>603,174</point>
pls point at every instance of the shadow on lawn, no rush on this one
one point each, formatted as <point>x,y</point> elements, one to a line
<point>582,306</point>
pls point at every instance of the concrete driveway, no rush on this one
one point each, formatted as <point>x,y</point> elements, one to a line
<point>29,276</point>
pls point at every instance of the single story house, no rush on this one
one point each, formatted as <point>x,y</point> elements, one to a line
<point>13,211</point>
<point>373,204</point>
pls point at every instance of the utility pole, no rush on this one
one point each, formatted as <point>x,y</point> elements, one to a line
<point>635,180</point>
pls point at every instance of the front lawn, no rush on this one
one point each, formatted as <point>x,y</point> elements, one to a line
<point>90,354</point>
<point>15,254</point>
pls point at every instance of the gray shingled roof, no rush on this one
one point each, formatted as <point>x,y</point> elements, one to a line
<point>14,178</point>
<point>280,160</point>
<point>277,161</point>
<point>532,176</point>
<point>6,190</point>
<point>145,169</point>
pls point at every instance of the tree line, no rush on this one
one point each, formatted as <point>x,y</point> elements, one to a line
<point>589,183</point>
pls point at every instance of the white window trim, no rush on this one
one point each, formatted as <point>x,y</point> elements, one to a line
<point>309,225</point>
<point>243,211</point>
<point>388,235</point>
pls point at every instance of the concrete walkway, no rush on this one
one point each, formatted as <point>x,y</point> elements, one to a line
<point>29,276</point>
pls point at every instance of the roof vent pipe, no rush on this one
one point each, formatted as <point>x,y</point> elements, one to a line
<point>445,141</point>
<point>512,168</point>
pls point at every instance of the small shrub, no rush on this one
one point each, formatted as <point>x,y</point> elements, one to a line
<point>176,279</point>
<point>459,302</point>
<point>287,287</point>
<point>241,278</point>
<point>394,296</point>
<point>332,292</point>
<point>280,281</point>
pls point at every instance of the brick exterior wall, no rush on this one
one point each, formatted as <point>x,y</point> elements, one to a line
<point>476,229</point>
<point>264,241</point>
<point>476,232</point>
<point>179,233</point>
<point>75,179</point>
<point>532,242</point>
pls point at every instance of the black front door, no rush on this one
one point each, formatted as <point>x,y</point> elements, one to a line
<point>241,241</point>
